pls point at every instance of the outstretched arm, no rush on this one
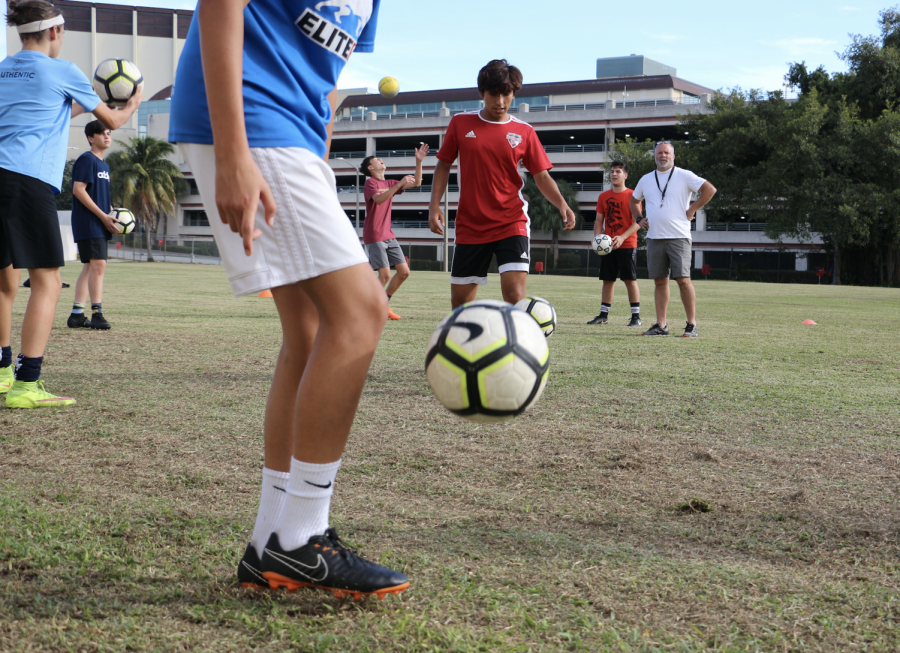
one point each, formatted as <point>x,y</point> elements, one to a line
<point>240,186</point>
<point>421,153</point>
<point>550,190</point>
<point>112,119</point>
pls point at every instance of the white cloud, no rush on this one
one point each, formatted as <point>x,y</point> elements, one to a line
<point>796,47</point>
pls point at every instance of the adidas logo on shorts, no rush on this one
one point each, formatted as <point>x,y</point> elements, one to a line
<point>471,134</point>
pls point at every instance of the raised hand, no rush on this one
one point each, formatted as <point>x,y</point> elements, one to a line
<point>422,152</point>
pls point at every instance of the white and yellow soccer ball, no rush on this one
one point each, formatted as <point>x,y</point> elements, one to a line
<point>487,361</point>
<point>388,87</point>
<point>542,311</point>
<point>602,244</point>
<point>116,80</point>
<point>126,220</point>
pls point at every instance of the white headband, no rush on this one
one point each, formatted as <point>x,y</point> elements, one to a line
<point>40,25</point>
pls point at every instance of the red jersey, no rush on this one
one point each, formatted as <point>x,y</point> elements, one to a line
<point>491,206</point>
<point>377,226</point>
<point>616,210</point>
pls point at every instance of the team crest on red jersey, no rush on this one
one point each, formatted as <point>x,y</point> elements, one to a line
<point>514,139</point>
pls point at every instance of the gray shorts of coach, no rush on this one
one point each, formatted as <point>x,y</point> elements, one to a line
<point>385,254</point>
<point>668,257</point>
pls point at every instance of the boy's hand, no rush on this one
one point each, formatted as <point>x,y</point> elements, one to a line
<point>408,181</point>
<point>422,152</point>
<point>616,242</point>
<point>568,217</point>
<point>436,221</point>
<point>111,224</point>
<point>239,189</point>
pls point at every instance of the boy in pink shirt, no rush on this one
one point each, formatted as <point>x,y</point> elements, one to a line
<point>381,243</point>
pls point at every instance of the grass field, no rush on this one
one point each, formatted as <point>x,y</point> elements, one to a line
<point>736,492</point>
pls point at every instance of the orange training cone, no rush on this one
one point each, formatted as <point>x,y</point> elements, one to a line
<point>265,293</point>
<point>809,322</point>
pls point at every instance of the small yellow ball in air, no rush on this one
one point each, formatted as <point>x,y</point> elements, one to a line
<point>388,87</point>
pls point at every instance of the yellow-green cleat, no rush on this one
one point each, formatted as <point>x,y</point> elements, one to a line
<point>33,395</point>
<point>6,379</point>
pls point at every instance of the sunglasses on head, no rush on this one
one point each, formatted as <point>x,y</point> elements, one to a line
<point>658,143</point>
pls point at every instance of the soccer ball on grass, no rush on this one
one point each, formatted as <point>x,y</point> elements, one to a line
<point>116,80</point>
<point>487,361</point>
<point>542,311</point>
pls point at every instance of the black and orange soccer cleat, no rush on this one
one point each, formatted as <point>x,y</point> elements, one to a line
<point>249,572</point>
<point>326,563</point>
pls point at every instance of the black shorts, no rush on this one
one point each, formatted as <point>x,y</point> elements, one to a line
<point>93,248</point>
<point>621,263</point>
<point>471,262</point>
<point>29,223</point>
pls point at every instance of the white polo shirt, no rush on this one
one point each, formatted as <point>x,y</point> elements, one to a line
<point>667,218</point>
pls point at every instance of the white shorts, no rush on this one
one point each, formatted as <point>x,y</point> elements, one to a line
<point>311,236</point>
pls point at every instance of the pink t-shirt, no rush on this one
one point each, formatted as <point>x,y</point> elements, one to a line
<point>377,227</point>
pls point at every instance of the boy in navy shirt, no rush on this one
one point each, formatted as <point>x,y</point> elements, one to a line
<point>92,226</point>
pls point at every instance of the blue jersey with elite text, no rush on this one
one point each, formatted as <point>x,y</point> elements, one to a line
<point>94,173</point>
<point>294,51</point>
<point>36,94</point>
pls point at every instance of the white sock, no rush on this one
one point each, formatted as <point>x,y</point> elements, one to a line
<point>305,509</point>
<point>271,499</point>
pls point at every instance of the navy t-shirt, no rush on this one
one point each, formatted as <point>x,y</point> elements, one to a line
<point>95,173</point>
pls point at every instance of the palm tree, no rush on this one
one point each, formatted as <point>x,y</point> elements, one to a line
<point>545,216</point>
<point>145,181</point>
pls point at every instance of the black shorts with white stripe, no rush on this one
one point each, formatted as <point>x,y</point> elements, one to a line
<point>471,262</point>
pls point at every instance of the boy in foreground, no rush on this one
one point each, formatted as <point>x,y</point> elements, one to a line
<point>492,216</point>
<point>615,220</point>
<point>92,226</point>
<point>260,166</point>
<point>381,244</point>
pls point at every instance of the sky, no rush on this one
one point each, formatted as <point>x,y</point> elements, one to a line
<point>720,45</point>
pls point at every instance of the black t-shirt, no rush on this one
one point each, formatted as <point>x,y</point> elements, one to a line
<point>93,172</point>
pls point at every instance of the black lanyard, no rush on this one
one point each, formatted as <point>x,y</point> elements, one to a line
<point>663,190</point>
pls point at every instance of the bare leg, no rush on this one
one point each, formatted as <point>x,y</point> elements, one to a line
<point>401,275</point>
<point>688,298</point>
<point>634,293</point>
<point>384,276</point>
<point>46,286</point>
<point>9,285</point>
<point>609,291</point>
<point>513,285</point>
<point>661,297</point>
<point>299,325</point>
<point>81,286</point>
<point>462,293</point>
<point>95,280</point>
<point>351,314</point>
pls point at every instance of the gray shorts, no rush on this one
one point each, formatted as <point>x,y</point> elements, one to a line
<point>385,254</point>
<point>668,255</point>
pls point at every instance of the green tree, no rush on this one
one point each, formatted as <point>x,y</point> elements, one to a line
<point>145,181</point>
<point>64,199</point>
<point>638,155</point>
<point>545,216</point>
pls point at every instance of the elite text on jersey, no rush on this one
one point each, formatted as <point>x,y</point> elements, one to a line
<point>294,51</point>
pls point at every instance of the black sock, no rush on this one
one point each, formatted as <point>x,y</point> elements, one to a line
<point>28,369</point>
<point>389,298</point>
<point>6,358</point>
<point>96,308</point>
<point>635,309</point>
<point>604,309</point>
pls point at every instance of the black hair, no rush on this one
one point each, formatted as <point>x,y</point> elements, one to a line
<point>364,166</point>
<point>619,164</point>
<point>30,11</point>
<point>94,127</point>
<point>499,78</point>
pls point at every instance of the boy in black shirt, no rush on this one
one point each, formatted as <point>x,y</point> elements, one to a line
<point>92,226</point>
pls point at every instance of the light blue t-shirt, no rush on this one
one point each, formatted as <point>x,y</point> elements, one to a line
<point>36,94</point>
<point>294,51</point>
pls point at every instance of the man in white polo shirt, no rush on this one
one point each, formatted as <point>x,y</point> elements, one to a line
<point>667,194</point>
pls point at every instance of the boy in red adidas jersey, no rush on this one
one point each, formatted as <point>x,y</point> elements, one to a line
<point>492,216</point>
<point>615,220</point>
